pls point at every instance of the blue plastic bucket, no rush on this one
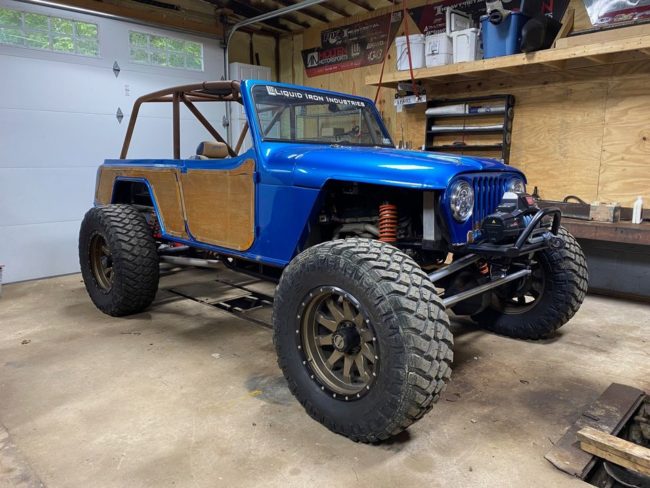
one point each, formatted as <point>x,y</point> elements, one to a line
<point>502,39</point>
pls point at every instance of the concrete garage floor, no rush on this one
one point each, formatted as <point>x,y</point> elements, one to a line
<point>187,394</point>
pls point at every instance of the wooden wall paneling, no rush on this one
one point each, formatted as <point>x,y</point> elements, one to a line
<point>262,45</point>
<point>625,164</point>
<point>557,137</point>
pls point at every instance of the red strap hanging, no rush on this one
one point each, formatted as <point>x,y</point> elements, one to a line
<point>408,49</point>
<point>383,61</point>
<point>408,46</point>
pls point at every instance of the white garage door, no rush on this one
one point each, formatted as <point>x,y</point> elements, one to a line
<point>60,96</point>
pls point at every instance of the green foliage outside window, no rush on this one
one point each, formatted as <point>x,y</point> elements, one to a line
<point>38,31</point>
<point>165,51</point>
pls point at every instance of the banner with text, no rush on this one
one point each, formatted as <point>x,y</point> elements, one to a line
<point>352,46</point>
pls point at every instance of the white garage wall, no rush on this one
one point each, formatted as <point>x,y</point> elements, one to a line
<point>57,124</point>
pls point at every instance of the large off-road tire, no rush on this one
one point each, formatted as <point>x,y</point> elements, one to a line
<point>561,282</point>
<point>119,259</point>
<point>374,306</point>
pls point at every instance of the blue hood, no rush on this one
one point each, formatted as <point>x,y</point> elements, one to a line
<point>314,164</point>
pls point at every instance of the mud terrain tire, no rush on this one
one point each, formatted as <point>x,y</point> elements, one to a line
<point>412,341</point>
<point>119,260</point>
<point>565,287</point>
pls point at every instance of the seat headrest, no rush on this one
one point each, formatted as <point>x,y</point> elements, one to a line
<point>212,149</point>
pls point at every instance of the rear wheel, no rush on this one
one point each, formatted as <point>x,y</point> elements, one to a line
<point>534,308</point>
<point>118,259</point>
<point>362,338</point>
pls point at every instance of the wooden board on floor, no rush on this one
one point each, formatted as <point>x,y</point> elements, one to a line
<point>614,449</point>
<point>609,413</point>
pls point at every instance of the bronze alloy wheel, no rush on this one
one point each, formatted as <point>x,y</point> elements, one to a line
<point>338,343</point>
<point>101,262</point>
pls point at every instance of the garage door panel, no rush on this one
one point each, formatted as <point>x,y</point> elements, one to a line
<point>39,250</point>
<point>57,126</point>
<point>78,88</point>
<point>45,139</point>
<point>31,196</point>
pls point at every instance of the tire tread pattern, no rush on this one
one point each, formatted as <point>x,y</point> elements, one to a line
<point>135,259</point>
<point>570,280</point>
<point>408,305</point>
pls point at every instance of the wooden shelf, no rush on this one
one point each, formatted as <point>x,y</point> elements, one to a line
<point>623,232</point>
<point>558,59</point>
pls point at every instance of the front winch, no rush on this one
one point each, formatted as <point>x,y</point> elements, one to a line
<point>511,217</point>
<point>517,227</point>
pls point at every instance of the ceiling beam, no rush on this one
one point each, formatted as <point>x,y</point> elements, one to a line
<point>334,9</point>
<point>363,5</point>
<point>245,10</point>
<point>253,11</point>
<point>146,15</point>
<point>305,11</point>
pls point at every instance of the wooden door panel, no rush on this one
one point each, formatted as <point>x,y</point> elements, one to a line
<point>220,205</point>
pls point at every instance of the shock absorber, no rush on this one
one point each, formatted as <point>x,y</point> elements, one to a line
<point>388,222</point>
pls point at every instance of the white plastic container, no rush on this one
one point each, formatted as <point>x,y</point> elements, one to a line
<point>637,211</point>
<point>455,20</point>
<point>466,45</point>
<point>416,42</point>
<point>438,50</point>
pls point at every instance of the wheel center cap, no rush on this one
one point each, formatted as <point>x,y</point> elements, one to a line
<point>346,339</point>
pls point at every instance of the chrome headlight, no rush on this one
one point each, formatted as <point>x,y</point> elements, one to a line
<point>461,200</point>
<point>516,185</point>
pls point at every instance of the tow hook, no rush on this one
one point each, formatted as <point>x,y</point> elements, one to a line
<point>554,242</point>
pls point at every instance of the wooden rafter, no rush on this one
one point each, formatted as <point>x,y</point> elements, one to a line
<point>309,12</point>
<point>334,9</point>
<point>161,17</point>
<point>253,11</point>
<point>363,5</point>
<point>245,10</point>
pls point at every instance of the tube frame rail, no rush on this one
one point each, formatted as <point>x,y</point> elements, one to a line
<point>464,295</point>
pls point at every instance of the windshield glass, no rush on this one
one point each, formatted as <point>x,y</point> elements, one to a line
<point>291,115</point>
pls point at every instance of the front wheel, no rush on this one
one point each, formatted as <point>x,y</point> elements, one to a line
<point>534,308</point>
<point>362,338</point>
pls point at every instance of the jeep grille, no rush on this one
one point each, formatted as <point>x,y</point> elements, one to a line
<point>488,190</point>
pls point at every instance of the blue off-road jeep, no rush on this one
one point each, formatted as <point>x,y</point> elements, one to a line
<point>371,246</point>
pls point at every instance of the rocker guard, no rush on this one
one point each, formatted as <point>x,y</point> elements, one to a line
<point>533,238</point>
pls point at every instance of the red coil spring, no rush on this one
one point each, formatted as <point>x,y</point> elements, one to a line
<point>388,222</point>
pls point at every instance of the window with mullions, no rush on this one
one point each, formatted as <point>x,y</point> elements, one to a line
<point>38,31</point>
<point>165,51</point>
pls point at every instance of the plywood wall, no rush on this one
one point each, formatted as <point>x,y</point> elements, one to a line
<point>247,48</point>
<point>581,132</point>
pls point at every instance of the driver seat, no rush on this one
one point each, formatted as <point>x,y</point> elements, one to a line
<point>212,150</point>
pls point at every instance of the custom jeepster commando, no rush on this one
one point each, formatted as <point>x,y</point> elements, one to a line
<point>371,246</point>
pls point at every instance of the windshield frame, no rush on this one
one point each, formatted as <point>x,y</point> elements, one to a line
<point>367,109</point>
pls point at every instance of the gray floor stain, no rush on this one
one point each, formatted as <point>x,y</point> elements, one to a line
<point>271,389</point>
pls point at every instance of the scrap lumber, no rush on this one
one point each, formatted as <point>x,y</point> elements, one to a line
<point>614,449</point>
